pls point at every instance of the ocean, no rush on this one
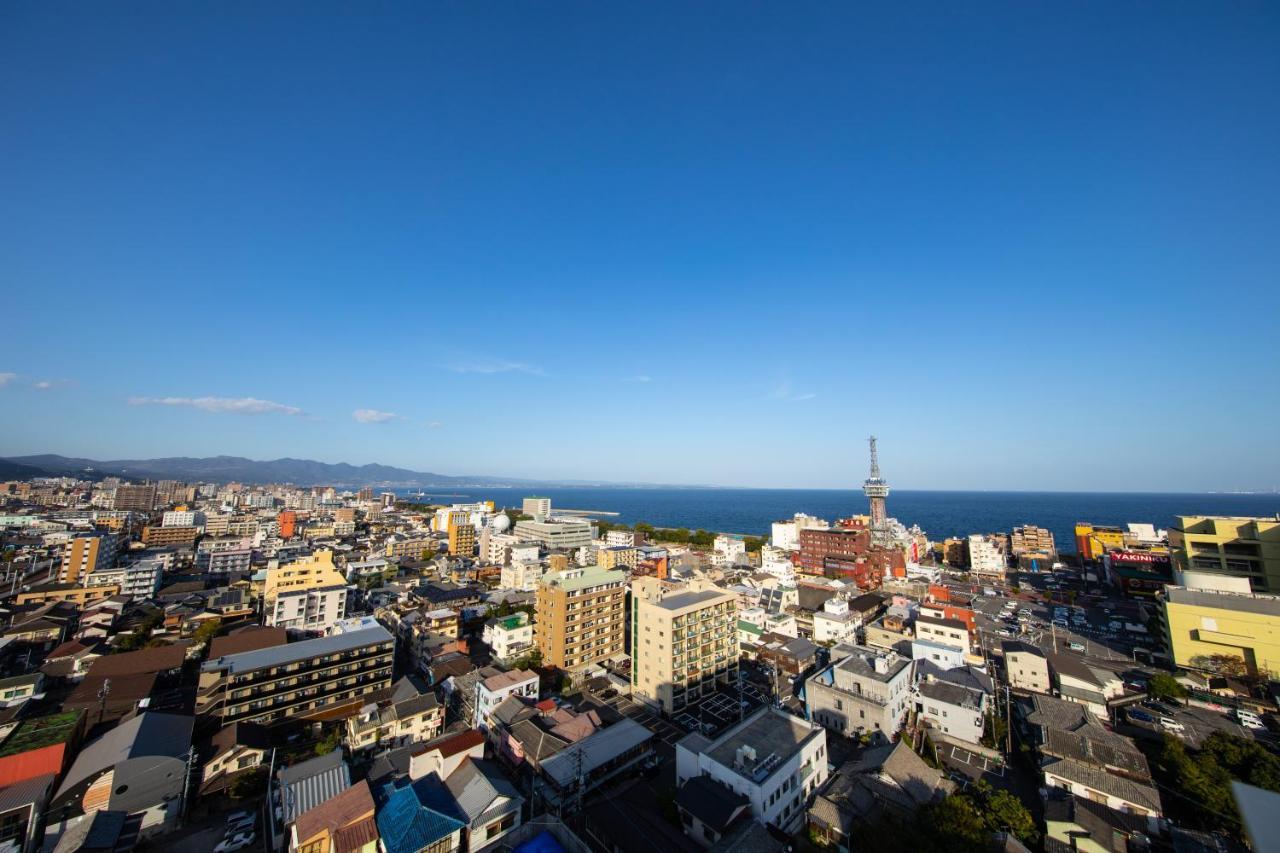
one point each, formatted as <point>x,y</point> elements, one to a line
<point>939,514</point>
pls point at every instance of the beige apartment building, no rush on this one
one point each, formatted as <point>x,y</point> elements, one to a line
<point>617,557</point>
<point>579,616</point>
<point>683,640</point>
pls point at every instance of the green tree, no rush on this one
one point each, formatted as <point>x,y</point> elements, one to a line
<point>955,825</point>
<point>1164,686</point>
<point>207,631</point>
<point>329,742</point>
<point>249,786</point>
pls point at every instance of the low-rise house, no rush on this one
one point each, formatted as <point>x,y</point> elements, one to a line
<point>406,824</point>
<point>478,794</point>
<point>22,806</point>
<point>955,710</point>
<point>490,691</point>
<point>864,691</point>
<point>71,660</point>
<point>1082,825</point>
<point>774,759</point>
<point>405,715</point>
<point>233,751</point>
<point>138,768</point>
<point>708,808</point>
<point>446,754</point>
<point>307,784</point>
<point>39,746</point>
<point>588,763</point>
<point>944,632</point>
<point>1116,792</point>
<point>19,689</point>
<point>1026,667</point>
<point>834,623</point>
<point>344,823</point>
<point>889,780</point>
<point>1090,686</point>
<point>789,655</point>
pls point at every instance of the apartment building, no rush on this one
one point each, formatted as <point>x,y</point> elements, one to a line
<point>683,641</point>
<point>774,759</point>
<point>865,691</point>
<point>579,616</point>
<point>462,539</point>
<point>412,549</point>
<point>1032,541</point>
<point>182,518</point>
<point>728,551</point>
<point>509,637</point>
<point>224,555</point>
<point>140,579</point>
<point>560,534</point>
<point>1247,548</point>
<point>519,575</point>
<point>985,557</point>
<point>136,498</point>
<point>835,623</point>
<point>324,677</point>
<point>84,555</point>
<point>307,595</point>
<point>617,557</point>
<point>169,535</point>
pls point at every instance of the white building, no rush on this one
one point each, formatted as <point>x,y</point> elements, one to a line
<point>315,609</point>
<point>495,688</point>
<point>786,534</point>
<point>565,535</point>
<point>510,637</point>
<point>985,558</point>
<point>521,576</point>
<point>539,508</point>
<point>954,709</point>
<point>865,691</point>
<point>834,623</point>
<point>729,551</point>
<point>182,518</point>
<point>772,758</point>
<point>620,539</point>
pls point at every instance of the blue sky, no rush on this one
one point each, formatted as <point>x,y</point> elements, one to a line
<point>1031,246</point>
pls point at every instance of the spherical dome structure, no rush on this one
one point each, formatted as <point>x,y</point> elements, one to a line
<point>501,522</point>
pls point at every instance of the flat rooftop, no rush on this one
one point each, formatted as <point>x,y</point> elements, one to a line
<point>278,655</point>
<point>39,732</point>
<point>681,600</point>
<point>770,732</point>
<point>1264,605</point>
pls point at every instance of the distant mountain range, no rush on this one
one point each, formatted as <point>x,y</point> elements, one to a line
<point>226,469</point>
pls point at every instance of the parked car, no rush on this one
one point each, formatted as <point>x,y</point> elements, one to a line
<point>234,843</point>
<point>1248,719</point>
<point>1076,647</point>
<point>1171,725</point>
<point>1139,714</point>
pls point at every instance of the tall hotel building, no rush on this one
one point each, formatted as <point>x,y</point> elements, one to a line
<point>580,616</point>
<point>684,639</point>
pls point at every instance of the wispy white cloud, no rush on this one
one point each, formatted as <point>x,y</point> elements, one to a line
<point>783,392</point>
<point>6,378</point>
<point>488,366</point>
<point>641,378</point>
<point>229,405</point>
<point>434,425</point>
<point>373,416</point>
<point>43,385</point>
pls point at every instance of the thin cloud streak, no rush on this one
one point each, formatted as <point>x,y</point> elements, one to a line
<point>6,378</point>
<point>783,392</point>
<point>373,416</point>
<point>222,405</point>
<point>641,378</point>
<point>492,366</point>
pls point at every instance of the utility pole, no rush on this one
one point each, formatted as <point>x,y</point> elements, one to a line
<point>1008,722</point>
<point>103,692</point>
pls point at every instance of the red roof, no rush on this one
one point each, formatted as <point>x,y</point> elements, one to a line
<point>454,744</point>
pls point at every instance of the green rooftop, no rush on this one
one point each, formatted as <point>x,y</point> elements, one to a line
<point>39,732</point>
<point>581,578</point>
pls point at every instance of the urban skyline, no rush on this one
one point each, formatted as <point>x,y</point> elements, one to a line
<point>996,238</point>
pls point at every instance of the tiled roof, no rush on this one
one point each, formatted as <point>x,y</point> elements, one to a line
<point>158,659</point>
<point>1099,780</point>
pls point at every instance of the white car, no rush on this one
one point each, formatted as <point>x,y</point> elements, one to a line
<point>1249,720</point>
<point>1172,725</point>
<point>234,843</point>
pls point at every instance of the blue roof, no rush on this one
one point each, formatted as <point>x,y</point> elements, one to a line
<point>406,825</point>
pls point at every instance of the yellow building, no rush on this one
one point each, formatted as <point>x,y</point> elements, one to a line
<point>618,557</point>
<point>1200,625</point>
<point>1235,547</point>
<point>315,572</point>
<point>462,539</point>
<point>1094,540</point>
